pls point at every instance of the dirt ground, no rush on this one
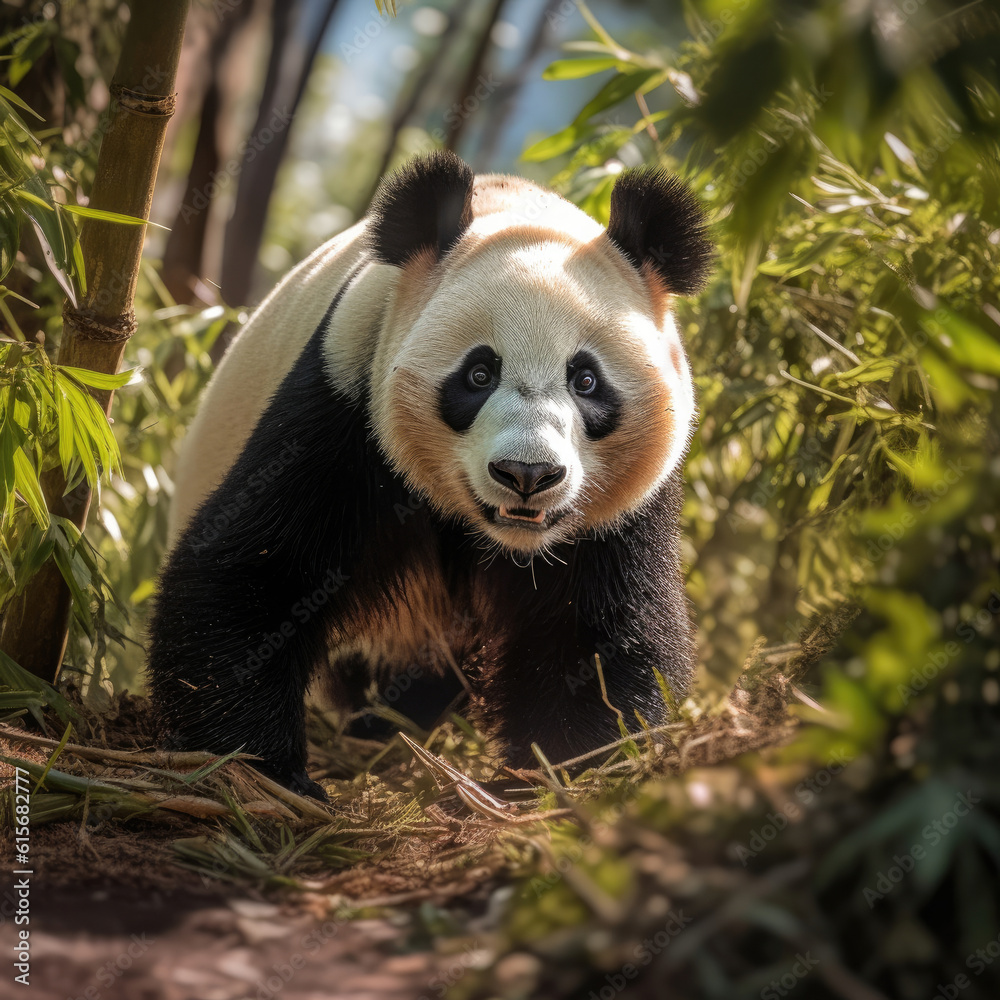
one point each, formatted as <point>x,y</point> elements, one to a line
<point>117,942</point>
<point>114,915</point>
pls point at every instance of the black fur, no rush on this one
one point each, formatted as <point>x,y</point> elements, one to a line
<point>601,410</point>
<point>656,220</point>
<point>246,598</point>
<point>312,532</point>
<point>426,204</point>
<point>620,596</point>
<point>458,401</point>
<point>263,573</point>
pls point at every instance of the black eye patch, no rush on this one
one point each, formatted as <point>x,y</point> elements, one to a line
<point>600,404</point>
<point>464,392</point>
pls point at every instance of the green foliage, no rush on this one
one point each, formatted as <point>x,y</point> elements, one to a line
<point>48,418</point>
<point>847,359</point>
<point>846,356</point>
<point>22,692</point>
<point>844,347</point>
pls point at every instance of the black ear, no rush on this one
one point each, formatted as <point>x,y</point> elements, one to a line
<point>425,204</point>
<point>656,220</point>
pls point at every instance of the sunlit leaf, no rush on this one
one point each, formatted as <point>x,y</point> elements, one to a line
<point>574,69</point>
<point>105,216</point>
<point>962,340</point>
<point>100,380</point>
<point>27,485</point>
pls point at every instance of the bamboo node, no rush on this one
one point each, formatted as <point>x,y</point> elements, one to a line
<point>109,331</point>
<point>143,104</point>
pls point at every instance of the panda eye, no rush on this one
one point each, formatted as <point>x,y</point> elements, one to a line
<point>584,382</point>
<point>479,377</point>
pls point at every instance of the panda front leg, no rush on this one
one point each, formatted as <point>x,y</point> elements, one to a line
<point>232,653</point>
<point>263,572</point>
<point>620,600</point>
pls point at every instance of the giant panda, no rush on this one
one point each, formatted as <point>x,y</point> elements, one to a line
<point>450,439</point>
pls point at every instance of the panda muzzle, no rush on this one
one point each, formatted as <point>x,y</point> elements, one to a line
<point>527,479</point>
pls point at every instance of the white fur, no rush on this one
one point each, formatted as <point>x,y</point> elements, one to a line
<point>533,277</point>
<point>262,354</point>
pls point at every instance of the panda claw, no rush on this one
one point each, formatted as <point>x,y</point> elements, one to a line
<point>302,784</point>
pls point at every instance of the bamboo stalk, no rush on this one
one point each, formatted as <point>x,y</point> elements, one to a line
<point>95,334</point>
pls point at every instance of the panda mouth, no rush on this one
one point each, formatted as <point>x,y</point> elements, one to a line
<point>521,514</point>
<point>524,518</point>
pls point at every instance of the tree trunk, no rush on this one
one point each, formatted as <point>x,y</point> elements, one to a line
<point>404,112</point>
<point>456,124</point>
<point>287,74</point>
<point>509,93</point>
<point>183,254</point>
<point>95,334</point>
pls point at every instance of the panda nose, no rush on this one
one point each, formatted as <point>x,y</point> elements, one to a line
<point>527,479</point>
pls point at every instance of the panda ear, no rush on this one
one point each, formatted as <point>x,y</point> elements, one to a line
<point>426,204</point>
<point>656,222</point>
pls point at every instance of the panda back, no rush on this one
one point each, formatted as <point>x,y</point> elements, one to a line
<point>253,367</point>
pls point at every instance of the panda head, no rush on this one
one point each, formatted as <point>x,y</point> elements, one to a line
<point>528,377</point>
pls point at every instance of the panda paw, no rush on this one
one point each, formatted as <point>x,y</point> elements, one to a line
<point>302,784</point>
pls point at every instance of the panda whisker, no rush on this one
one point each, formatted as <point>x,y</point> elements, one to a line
<point>490,557</point>
<point>490,553</point>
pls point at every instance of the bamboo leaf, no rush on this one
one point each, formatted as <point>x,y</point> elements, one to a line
<point>10,235</point>
<point>963,341</point>
<point>27,485</point>
<point>100,380</point>
<point>555,145</point>
<point>104,216</point>
<point>66,433</point>
<point>878,370</point>
<point>12,675</point>
<point>9,95</point>
<point>617,89</point>
<point>7,471</point>
<point>811,255</point>
<point>575,69</point>
<point>51,237</point>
